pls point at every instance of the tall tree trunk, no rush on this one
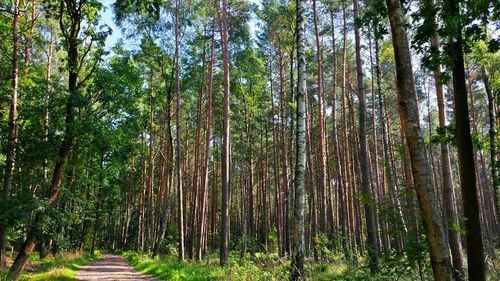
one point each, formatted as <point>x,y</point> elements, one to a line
<point>343,165</point>
<point>98,198</point>
<point>494,163</point>
<point>381,191</point>
<point>323,174</point>
<point>475,251</point>
<point>371,241</point>
<point>180,192</point>
<point>449,210</point>
<point>286,199</point>
<point>208,127</point>
<point>149,190</point>
<point>298,242</point>
<point>13,131</point>
<point>375,177</point>
<point>277,169</point>
<point>226,153</point>
<point>336,148</point>
<point>408,109</point>
<point>313,210</point>
<point>169,165</point>
<point>195,202</point>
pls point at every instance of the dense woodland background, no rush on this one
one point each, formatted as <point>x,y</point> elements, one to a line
<point>358,133</point>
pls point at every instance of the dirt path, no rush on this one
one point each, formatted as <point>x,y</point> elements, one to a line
<point>111,268</point>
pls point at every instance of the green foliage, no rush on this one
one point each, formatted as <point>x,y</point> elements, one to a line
<point>322,244</point>
<point>447,135</point>
<point>410,265</point>
<point>471,23</point>
<point>444,135</point>
<point>169,268</point>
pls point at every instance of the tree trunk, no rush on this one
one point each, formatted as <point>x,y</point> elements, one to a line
<point>408,109</point>
<point>449,210</point>
<point>344,189</point>
<point>226,164</point>
<point>285,183</point>
<point>149,190</point>
<point>10,161</point>
<point>180,192</point>
<point>475,252</point>
<point>68,138</point>
<point>494,163</point>
<point>298,242</point>
<point>381,191</point>
<point>371,241</point>
<point>375,177</point>
<point>336,148</point>
<point>208,127</point>
<point>323,174</point>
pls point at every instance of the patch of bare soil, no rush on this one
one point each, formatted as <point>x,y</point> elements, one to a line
<point>111,268</point>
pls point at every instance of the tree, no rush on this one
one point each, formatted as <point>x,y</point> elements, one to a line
<point>363,151</point>
<point>71,14</point>
<point>323,175</point>
<point>178,121</point>
<point>13,130</point>
<point>408,110</point>
<point>297,234</point>
<point>449,209</point>
<point>454,47</point>
<point>226,141</point>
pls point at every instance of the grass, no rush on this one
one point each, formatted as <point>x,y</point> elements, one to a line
<point>258,267</point>
<point>61,268</point>
<point>169,268</point>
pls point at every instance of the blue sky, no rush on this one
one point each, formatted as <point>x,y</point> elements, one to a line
<point>108,19</point>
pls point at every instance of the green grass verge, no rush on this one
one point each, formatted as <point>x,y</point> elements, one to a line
<point>169,268</point>
<point>62,268</point>
<point>258,267</point>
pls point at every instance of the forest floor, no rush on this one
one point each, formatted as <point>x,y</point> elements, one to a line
<point>64,267</point>
<point>110,268</point>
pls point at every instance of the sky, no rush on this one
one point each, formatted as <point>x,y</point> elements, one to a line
<point>108,19</point>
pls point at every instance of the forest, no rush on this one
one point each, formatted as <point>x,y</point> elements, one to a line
<point>250,139</point>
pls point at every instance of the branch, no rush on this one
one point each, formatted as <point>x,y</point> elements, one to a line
<point>92,70</point>
<point>353,89</point>
<point>85,53</point>
<point>61,21</point>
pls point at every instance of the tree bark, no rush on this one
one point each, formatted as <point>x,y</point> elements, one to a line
<point>298,242</point>
<point>408,109</point>
<point>208,128</point>
<point>494,163</point>
<point>180,192</point>
<point>371,241</point>
<point>475,251</point>
<point>149,190</point>
<point>226,164</point>
<point>323,174</point>
<point>449,210</point>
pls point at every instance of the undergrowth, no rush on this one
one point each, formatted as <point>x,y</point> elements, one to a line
<point>256,267</point>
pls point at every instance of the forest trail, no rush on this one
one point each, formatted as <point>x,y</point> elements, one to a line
<point>110,268</point>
